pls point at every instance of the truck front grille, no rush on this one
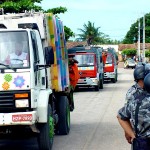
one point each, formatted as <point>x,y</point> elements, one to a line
<point>6,100</point>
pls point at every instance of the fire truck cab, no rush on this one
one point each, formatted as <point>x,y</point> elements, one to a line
<point>90,66</point>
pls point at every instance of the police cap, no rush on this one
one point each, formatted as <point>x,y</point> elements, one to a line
<point>139,72</point>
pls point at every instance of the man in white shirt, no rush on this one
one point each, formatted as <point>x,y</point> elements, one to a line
<point>18,56</point>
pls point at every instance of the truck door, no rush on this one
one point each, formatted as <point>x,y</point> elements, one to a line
<point>36,71</point>
<point>109,65</point>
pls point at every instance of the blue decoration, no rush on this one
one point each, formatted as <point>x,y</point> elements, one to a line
<point>19,81</point>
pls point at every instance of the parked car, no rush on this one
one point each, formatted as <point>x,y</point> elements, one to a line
<point>130,63</point>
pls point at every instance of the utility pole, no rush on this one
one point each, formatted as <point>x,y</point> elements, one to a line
<point>144,39</point>
<point>139,58</point>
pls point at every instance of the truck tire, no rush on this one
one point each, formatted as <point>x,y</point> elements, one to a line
<point>113,80</point>
<point>63,126</point>
<point>96,88</point>
<point>46,135</point>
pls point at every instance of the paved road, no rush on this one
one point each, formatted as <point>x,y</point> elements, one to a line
<point>93,123</point>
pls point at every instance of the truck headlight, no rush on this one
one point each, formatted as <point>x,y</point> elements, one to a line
<point>94,80</point>
<point>21,103</point>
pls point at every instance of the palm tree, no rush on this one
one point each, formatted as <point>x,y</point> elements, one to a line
<point>90,33</point>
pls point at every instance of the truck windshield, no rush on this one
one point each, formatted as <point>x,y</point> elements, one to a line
<point>109,59</point>
<point>14,49</point>
<point>85,60</point>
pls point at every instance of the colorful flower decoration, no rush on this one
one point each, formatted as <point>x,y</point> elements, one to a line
<point>8,77</point>
<point>5,86</point>
<point>19,81</point>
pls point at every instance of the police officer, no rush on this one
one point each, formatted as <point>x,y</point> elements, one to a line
<point>137,88</point>
<point>127,116</point>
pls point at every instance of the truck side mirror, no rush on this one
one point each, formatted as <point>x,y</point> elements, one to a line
<point>49,55</point>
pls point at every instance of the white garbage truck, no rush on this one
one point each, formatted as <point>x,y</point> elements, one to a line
<point>34,79</point>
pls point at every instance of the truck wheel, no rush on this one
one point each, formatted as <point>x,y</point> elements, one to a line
<point>113,80</point>
<point>97,88</point>
<point>63,126</point>
<point>46,135</point>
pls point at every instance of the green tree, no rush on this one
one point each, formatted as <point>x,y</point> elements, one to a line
<point>132,34</point>
<point>15,6</point>
<point>68,33</point>
<point>129,52</point>
<point>147,53</point>
<point>57,10</point>
<point>90,33</point>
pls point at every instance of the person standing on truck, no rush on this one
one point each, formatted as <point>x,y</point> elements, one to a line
<point>18,56</point>
<point>73,76</point>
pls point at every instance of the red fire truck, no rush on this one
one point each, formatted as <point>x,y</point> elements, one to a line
<point>110,60</point>
<point>90,66</point>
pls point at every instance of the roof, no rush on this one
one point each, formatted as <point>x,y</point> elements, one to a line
<point>120,46</point>
<point>73,44</point>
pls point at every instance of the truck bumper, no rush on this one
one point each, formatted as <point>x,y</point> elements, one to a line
<point>87,82</point>
<point>109,75</point>
<point>19,118</point>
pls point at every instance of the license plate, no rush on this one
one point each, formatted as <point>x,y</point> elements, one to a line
<point>132,65</point>
<point>22,117</point>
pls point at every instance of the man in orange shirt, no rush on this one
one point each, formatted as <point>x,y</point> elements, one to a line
<point>73,71</point>
<point>104,57</point>
<point>73,76</point>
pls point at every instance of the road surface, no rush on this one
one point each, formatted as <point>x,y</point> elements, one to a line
<point>94,125</point>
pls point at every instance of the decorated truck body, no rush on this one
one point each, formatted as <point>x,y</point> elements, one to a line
<point>35,87</point>
<point>110,61</point>
<point>90,66</point>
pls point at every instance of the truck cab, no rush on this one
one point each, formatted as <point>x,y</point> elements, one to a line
<point>90,66</point>
<point>110,65</point>
<point>20,76</point>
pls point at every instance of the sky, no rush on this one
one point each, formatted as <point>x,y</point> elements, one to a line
<point>114,17</point>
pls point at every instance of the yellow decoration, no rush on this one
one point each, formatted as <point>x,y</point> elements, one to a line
<point>5,86</point>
